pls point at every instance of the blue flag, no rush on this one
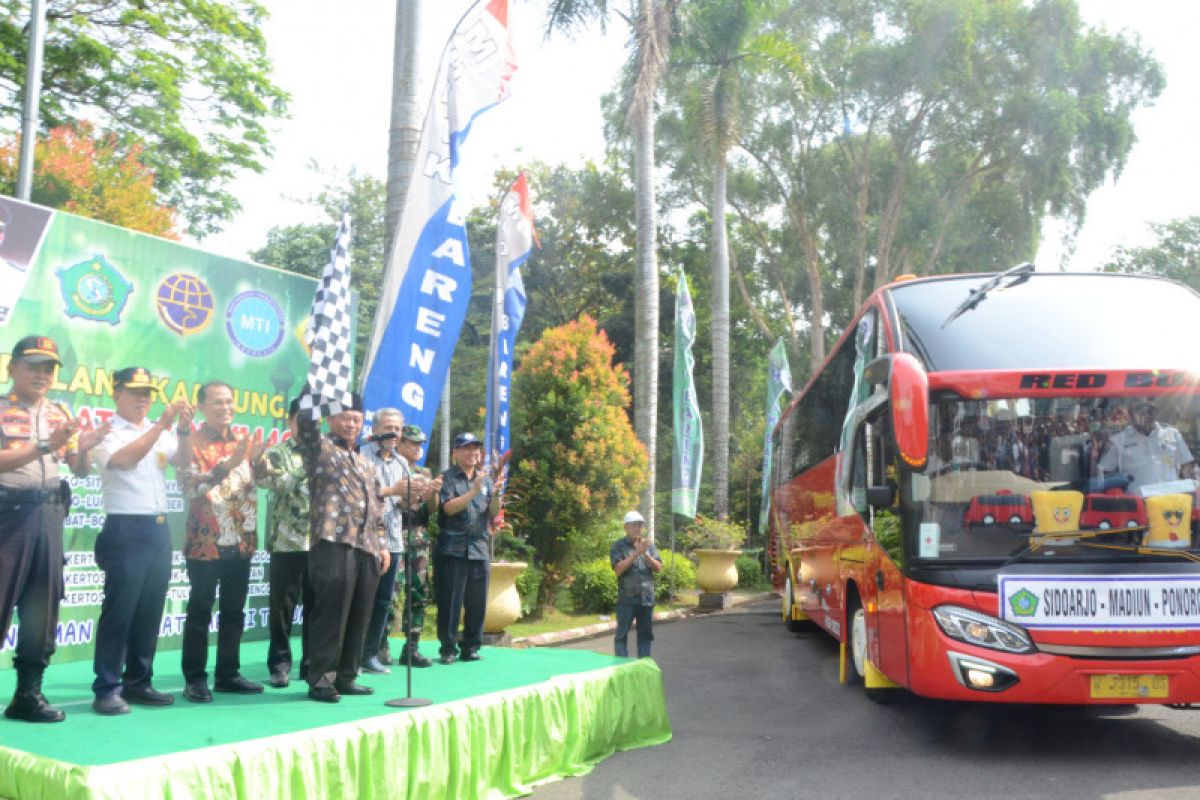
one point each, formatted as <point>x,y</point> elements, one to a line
<point>427,284</point>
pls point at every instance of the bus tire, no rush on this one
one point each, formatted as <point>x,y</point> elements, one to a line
<point>856,652</point>
<point>789,602</point>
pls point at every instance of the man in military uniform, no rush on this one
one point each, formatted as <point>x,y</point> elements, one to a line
<point>416,568</point>
<point>36,436</point>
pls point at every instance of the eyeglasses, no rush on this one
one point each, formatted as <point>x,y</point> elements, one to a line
<point>1172,515</point>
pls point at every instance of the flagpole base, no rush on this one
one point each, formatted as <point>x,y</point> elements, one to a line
<point>409,702</point>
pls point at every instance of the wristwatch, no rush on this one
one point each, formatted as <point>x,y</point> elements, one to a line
<point>43,446</point>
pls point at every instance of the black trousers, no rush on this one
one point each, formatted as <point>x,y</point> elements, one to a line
<point>134,550</point>
<point>461,586</point>
<point>289,584</point>
<point>232,575</point>
<point>343,581</point>
<point>31,580</point>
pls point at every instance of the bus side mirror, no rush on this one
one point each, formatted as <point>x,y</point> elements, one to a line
<point>908,386</point>
<point>880,496</point>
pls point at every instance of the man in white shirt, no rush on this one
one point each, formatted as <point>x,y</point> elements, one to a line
<point>134,546</point>
<point>1146,451</point>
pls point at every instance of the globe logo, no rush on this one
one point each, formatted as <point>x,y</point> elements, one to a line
<point>184,303</point>
<point>93,289</point>
<point>255,324</point>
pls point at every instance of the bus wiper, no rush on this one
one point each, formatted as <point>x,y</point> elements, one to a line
<point>974,297</point>
<point>1039,540</point>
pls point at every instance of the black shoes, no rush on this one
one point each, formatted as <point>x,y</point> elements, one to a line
<point>447,658</point>
<point>32,706</point>
<point>144,694</point>
<point>110,705</point>
<point>197,692</point>
<point>471,655</point>
<point>411,656</point>
<point>385,653</point>
<point>279,679</point>
<point>238,685</point>
<point>353,688</point>
<point>324,694</point>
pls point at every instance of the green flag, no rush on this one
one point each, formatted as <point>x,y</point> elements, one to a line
<point>688,458</point>
<point>779,380</point>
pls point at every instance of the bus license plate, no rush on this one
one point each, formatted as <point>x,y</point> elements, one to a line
<point>1130,687</point>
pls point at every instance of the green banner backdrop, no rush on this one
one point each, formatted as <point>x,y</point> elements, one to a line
<point>113,298</point>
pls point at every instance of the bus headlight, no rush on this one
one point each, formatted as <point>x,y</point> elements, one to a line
<point>982,630</point>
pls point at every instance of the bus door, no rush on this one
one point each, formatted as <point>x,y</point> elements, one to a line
<point>873,466</point>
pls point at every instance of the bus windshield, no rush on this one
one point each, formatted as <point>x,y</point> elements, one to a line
<point>1058,478</point>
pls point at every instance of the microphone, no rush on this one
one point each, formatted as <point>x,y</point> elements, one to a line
<point>382,437</point>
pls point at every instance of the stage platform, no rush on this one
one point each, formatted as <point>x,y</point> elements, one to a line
<point>496,728</point>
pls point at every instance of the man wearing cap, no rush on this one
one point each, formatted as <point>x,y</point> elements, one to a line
<point>348,553</point>
<point>416,557</point>
<point>462,564</point>
<point>1146,451</point>
<point>36,436</point>
<point>134,546</point>
<point>222,535</point>
<point>287,541</point>
<point>635,559</point>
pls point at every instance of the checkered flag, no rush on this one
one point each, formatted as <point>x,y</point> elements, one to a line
<point>328,334</point>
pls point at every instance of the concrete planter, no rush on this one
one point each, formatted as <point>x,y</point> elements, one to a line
<point>503,602</point>
<point>717,572</point>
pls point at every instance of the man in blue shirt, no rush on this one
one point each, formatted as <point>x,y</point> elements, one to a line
<point>635,559</point>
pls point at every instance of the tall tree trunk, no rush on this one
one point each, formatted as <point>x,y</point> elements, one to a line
<point>404,133</point>
<point>645,353</point>
<point>720,344</point>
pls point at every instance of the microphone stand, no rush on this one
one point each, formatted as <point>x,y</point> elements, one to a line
<point>408,701</point>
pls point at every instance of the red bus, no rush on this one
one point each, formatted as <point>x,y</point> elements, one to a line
<point>946,393</point>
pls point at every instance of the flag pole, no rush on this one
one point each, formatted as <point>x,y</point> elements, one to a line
<point>33,93</point>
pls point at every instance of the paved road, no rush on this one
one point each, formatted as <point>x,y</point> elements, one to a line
<point>758,713</point>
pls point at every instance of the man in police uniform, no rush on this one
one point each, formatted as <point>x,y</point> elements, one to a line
<point>1147,451</point>
<point>424,491</point>
<point>36,435</point>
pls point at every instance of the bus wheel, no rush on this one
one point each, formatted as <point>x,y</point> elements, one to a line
<point>856,656</point>
<point>789,602</point>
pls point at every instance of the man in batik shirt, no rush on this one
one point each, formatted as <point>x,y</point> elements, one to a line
<point>221,538</point>
<point>287,542</point>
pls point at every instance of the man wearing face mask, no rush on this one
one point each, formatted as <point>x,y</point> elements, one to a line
<point>1147,451</point>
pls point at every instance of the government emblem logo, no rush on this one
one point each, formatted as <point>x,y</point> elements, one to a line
<point>93,289</point>
<point>255,324</point>
<point>184,304</point>
<point>1024,603</point>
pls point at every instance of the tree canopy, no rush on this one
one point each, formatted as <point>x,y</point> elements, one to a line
<point>190,81</point>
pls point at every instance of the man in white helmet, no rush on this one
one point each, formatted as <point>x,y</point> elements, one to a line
<point>635,560</point>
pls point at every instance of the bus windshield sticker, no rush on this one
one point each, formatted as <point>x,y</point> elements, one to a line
<point>931,539</point>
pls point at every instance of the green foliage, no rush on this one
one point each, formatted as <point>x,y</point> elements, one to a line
<point>594,587</point>
<point>1175,255</point>
<point>191,81</point>
<point>575,447</point>
<point>529,584</point>
<point>678,573</point>
<point>705,533</point>
<point>750,572</point>
<point>886,526</point>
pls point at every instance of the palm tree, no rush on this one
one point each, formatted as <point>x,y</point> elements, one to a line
<point>404,133</point>
<point>650,21</point>
<point>718,49</point>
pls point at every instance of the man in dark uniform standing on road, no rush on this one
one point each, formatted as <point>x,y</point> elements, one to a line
<point>36,435</point>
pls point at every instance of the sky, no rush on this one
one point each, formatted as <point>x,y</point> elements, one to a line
<point>338,69</point>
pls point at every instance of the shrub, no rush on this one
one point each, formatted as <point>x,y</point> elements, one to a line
<point>677,566</point>
<point>750,573</point>
<point>594,588</point>
<point>705,533</point>
<point>528,584</point>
